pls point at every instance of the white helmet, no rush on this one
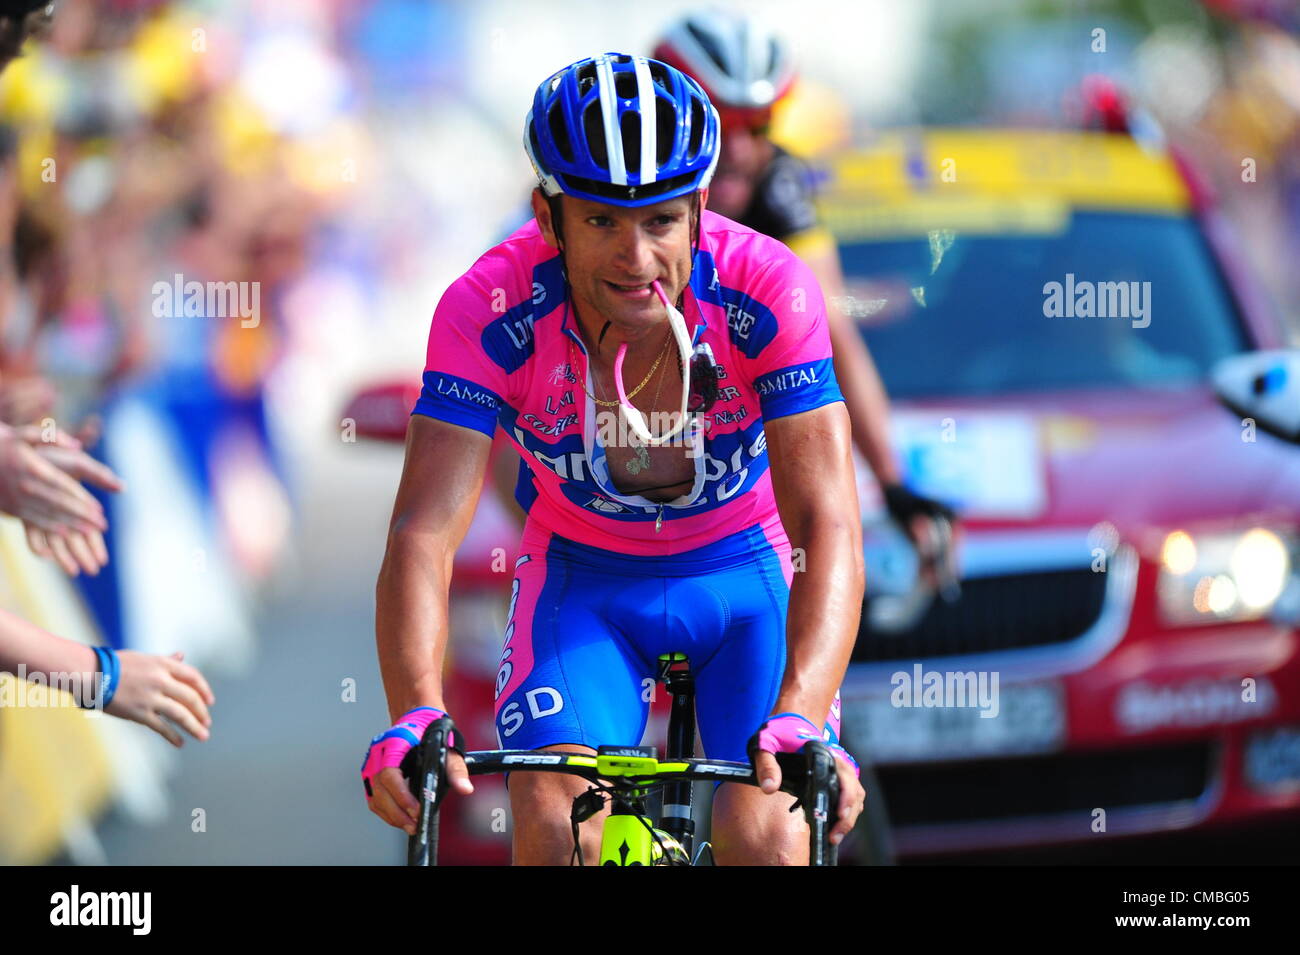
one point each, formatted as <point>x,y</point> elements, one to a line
<point>740,62</point>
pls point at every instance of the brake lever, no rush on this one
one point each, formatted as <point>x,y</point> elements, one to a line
<point>425,769</point>
<point>817,792</point>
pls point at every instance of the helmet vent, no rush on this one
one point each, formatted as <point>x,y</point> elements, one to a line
<point>708,45</point>
<point>659,75</point>
<point>630,126</point>
<point>532,139</point>
<point>625,85</point>
<point>586,78</point>
<point>697,130</point>
<point>559,135</point>
<point>593,129</point>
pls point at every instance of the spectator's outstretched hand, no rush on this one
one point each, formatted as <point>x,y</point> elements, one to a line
<point>163,693</point>
<point>39,484</point>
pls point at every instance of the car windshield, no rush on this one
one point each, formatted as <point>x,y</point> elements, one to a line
<point>947,314</point>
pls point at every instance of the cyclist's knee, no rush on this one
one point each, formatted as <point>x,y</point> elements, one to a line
<point>750,828</point>
<point>540,804</point>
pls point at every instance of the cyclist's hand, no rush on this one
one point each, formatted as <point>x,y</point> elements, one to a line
<point>393,802</point>
<point>152,687</point>
<point>914,514</point>
<point>853,796</point>
<point>387,792</point>
<point>787,733</point>
<point>931,527</point>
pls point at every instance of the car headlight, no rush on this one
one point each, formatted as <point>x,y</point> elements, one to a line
<point>1215,577</point>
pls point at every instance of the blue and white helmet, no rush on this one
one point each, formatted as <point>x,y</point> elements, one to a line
<point>622,129</point>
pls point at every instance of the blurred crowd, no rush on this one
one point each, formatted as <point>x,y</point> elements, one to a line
<point>1247,134</point>
<point>130,160</point>
<point>153,434</point>
<point>148,146</point>
<point>133,165</point>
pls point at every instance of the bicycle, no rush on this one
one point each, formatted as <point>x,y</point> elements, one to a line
<point>626,776</point>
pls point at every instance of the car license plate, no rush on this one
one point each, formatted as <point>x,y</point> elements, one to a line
<point>995,470</point>
<point>1030,718</point>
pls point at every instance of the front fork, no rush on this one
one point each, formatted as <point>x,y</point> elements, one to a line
<point>626,838</point>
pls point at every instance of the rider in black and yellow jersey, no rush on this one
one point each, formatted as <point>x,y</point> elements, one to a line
<point>747,69</point>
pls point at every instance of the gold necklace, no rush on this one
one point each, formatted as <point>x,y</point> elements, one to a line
<point>644,381</point>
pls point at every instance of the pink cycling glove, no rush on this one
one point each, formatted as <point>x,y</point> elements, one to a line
<point>390,747</point>
<point>787,732</point>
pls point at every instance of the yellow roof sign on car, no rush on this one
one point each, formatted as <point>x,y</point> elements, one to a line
<point>908,181</point>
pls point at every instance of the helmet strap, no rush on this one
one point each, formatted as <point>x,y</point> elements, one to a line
<point>697,213</point>
<point>556,205</point>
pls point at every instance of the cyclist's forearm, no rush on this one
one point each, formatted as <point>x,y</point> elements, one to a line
<point>39,652</point>
<point>816,495</point>
<point>864,392</point>
<point>411,619</point>
<point>825,604</point>
<point>864,395</point>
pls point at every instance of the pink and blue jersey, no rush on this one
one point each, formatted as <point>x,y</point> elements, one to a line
<point>501,350</point>
<point>599,592</point>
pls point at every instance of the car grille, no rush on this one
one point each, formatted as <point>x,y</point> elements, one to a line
<point>1006,612</point>
<point>1003,789</point>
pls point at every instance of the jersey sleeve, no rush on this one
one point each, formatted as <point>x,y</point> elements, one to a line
<point>463,384</point>
<point>791,365</point>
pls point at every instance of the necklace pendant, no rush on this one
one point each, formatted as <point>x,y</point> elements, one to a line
<point>641,461</point>
<point>659,521</point>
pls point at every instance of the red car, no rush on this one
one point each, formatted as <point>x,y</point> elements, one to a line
<point>1046,310</point>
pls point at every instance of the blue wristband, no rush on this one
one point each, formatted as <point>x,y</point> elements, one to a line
<point>110,672</point>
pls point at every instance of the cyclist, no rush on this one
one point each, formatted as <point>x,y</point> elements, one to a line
<point>747,69</point>
<point>731,534</point>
